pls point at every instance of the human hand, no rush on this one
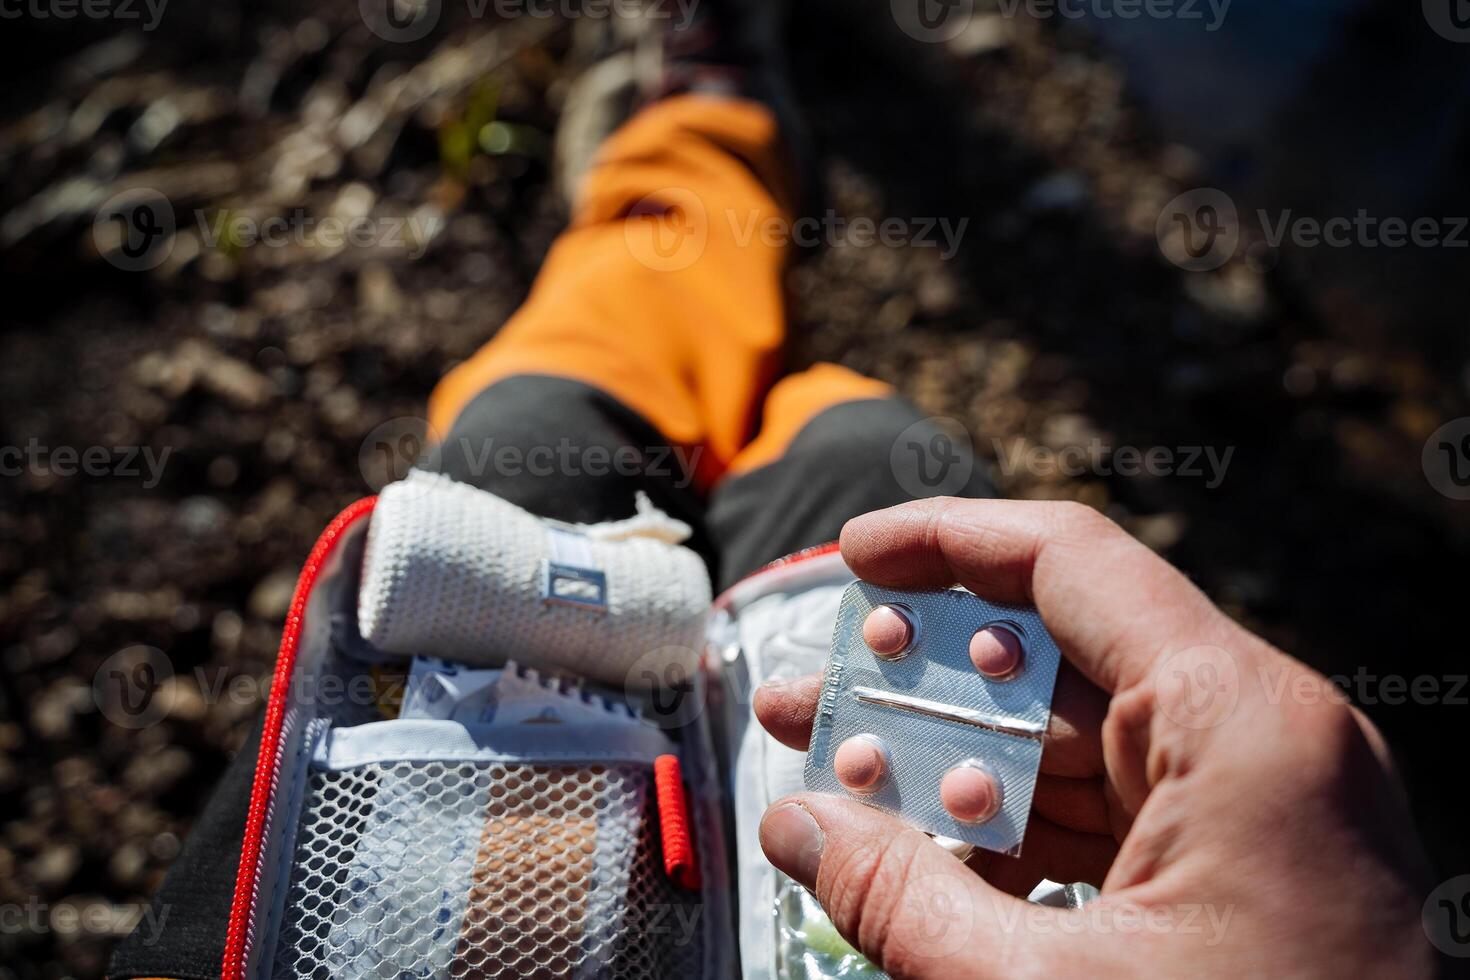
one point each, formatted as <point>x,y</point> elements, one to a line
<point>1240,817</point>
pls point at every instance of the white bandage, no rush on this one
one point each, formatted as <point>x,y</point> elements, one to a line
<point>455,572</point>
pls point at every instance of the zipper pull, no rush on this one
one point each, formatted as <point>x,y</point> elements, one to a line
<point>680,862</point>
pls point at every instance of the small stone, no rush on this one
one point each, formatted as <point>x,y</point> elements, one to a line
<point>982,34</point>
<point>1059,192</point>
<point>271,597</point>
<point>377,291</point>
<point>54,867</point>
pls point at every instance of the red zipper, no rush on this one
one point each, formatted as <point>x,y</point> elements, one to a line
<point>795,558</point>
<point>815,551</point>
<point>267,767</point>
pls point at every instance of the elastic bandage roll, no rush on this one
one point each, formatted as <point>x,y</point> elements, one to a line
<point>455,572</point>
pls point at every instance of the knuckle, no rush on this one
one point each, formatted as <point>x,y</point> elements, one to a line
<point>1330,728</point>
<point>939,516</point>
<point>1129,713</point>
<point>958,534</point>
<point>1083,520</point>
<point>1320,750</point>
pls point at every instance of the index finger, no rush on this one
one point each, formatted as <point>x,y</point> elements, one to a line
<point>1112,605</point>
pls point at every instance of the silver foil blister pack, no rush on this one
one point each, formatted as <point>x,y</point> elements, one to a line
<point>932,710</point>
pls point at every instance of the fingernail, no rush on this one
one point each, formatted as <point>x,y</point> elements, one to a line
<point>793,842</point>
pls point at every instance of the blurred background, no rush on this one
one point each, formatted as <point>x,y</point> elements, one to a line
<point>1137,271</point>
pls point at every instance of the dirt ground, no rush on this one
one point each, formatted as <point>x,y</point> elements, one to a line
<point>261,371</point>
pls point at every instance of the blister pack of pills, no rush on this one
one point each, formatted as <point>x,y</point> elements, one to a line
<point>933,708</point>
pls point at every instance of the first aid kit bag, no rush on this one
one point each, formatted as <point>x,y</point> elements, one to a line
<point>497,745</point>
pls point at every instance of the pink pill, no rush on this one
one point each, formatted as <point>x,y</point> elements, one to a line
<point>860,763</point>
<point>888,631</point>
<point>969,793</point>
<point>996,651</point>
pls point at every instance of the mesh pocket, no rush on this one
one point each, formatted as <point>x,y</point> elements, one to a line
<point>482,869</point>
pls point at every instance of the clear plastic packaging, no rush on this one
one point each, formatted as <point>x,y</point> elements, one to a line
<point>935,713</point>
<point>808,945</point>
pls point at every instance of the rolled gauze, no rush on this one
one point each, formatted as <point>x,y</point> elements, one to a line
<point>455,572</point>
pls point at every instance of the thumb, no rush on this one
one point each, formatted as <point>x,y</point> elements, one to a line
<point>909,905</point>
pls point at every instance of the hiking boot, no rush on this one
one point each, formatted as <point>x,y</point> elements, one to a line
<point>730,48</point>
